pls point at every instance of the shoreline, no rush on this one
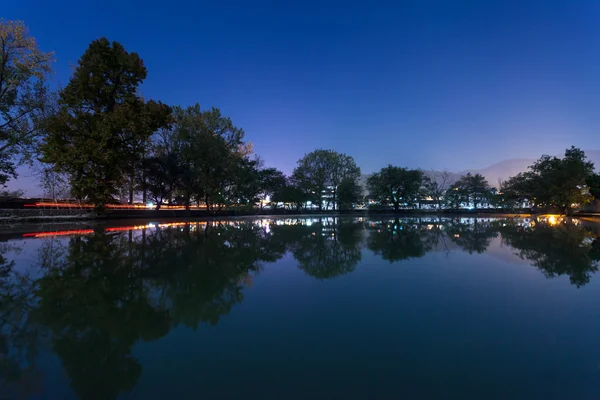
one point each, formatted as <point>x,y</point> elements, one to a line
<point>12,228</point>
<point>13,217</point>
<point>17,216</point>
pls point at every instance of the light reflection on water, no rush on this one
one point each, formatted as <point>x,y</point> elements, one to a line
<point>86,298</point>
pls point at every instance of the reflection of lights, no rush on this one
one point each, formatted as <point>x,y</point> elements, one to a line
<point>45,204</point>
<point>553,220</point>
<point>59,233</point>
<point>126,228</point>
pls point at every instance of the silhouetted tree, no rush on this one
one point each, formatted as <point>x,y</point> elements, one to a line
<point>24,70</point>
<point>395,186</point>
<point>101,120</point>
<point>554,182</point>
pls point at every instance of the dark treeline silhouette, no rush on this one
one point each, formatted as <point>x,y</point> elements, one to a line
<point>95,296</point>
<point>98,140</point>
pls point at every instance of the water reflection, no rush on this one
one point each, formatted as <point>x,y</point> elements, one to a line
<point>556,248</point>
<point>96,293</point>
<point>395,241</point>
<point>324,248</point>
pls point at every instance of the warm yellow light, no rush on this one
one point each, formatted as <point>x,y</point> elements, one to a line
<point>554,219</point>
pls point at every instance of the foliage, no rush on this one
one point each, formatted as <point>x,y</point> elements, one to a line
<point>455,196</point>
<point>395,186</point>
<point>322,169</point>
<point>474,189</point>
<point>554,182</point>
<point>349,193</point>
<point>292,195</point>
<point>209,148</point>
<point>161,174</point>
<point>11,194</point>
<point>593,184</point>
<point>24,69</point>
<point>101,120</point>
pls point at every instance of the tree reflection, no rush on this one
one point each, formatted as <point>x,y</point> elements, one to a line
<point>110,290</point>
<point>473,235</point>
<point>19,338</point>
<point>203,271</point>
<point>96,305</point>
<point>562,249</point>
<point>324,248</point>
<point>395,241</point>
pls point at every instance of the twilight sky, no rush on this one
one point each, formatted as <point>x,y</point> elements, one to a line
<point>431,84</point>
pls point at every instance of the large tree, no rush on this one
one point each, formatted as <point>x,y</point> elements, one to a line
<point>395,186</point>
<point>343,171</point>
<point>210,150</point>
<point>100,122</point>
<point>24,69</point>
<point>474,187</point>
<point>554,182</point>
<point>324,170</point>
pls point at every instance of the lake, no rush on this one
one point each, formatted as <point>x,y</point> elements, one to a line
<point>303,308</point>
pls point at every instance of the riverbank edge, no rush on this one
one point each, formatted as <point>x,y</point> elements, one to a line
<point>14,226</point>
<point>10,216</point>
<point>38,216</point>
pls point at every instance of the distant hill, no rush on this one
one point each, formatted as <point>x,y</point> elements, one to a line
<point>503,170</point>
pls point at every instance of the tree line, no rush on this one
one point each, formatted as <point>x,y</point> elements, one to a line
<point>99,141</point>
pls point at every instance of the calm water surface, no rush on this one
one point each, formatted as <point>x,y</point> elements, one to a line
<point>308,308</point>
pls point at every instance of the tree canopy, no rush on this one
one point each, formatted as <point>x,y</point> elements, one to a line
<point>553,182</point>
<point>321,171</point>
<point>24,70</point>
<point>101,120</point>
<point>396,186</point>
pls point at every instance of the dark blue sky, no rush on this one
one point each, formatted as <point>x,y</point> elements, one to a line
<point>432,84</point>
